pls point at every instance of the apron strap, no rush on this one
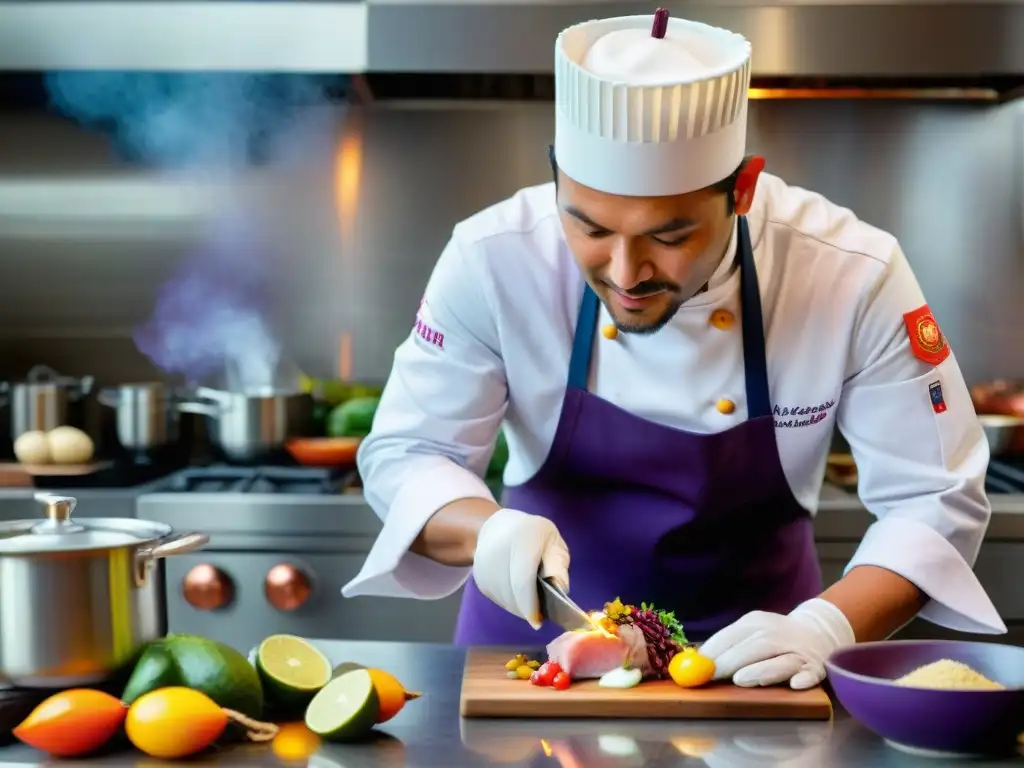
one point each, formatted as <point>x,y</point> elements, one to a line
<point>754,362</point>
<point>583,341</point>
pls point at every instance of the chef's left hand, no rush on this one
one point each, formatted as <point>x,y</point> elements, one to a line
<point>769,648</point>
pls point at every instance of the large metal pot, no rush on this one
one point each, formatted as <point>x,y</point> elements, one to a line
<point>41,401</point>
<point>78,600</point>
<point>252,426</point>
<point>147,415</point>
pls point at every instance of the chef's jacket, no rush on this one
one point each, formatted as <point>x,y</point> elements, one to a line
<point>491,344</point>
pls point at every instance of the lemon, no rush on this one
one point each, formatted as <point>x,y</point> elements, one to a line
<point>174,722</point>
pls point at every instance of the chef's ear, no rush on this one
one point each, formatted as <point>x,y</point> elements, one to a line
<point>746,183</point>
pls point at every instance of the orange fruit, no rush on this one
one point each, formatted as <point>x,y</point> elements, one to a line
<point>391,692</point>
<point>72,723</point>
<point>691,670</point>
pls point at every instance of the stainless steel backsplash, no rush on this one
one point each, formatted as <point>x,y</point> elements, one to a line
<point>86,241</point>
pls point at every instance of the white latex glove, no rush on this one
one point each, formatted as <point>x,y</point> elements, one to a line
<point>769,648</point>
<point>511,548</point>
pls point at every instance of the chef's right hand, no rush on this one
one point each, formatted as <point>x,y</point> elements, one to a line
<point>511,548</point>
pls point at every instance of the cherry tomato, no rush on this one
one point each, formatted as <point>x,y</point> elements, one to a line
<point>561,682</point>
<point>545,675</point>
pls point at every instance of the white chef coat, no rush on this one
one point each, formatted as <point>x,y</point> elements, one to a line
<point>492,343</point>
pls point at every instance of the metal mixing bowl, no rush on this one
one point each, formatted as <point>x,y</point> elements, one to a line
<point>999,430</point>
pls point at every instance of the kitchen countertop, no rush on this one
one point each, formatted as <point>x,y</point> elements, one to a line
<point>429,732</point>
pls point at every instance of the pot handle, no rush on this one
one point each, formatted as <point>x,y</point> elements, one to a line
<point>44,374</point>
<point>203,409</point>
<point>178,544</point>
<point>216,402</point>
<point>110,397</point>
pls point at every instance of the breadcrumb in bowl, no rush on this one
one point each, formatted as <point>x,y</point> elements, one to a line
<point>948,675</point>
<point>937,697</point>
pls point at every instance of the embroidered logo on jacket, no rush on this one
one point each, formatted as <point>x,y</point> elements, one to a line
<point>424,330</point>
<point>802,415</point>
<point>926,340</point>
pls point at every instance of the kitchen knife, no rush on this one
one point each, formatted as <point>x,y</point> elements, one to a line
<point>560,609</point>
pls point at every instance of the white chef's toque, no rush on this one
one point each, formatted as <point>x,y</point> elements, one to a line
<point>640,115</point>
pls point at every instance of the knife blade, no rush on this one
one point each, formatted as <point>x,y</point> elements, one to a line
<point>559,608</point>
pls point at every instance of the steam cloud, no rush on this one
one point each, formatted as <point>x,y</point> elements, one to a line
<point>210,318</point>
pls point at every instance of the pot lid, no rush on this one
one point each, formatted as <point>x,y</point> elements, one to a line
<point>58,533</point>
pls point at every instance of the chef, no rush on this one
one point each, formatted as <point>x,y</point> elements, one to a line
<point>669,336</point>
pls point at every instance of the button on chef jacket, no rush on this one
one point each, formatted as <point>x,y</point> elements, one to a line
<point>491,345</point>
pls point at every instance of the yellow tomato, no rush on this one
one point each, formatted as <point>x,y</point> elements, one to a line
<point>174,722</point>
<point>690,670</point>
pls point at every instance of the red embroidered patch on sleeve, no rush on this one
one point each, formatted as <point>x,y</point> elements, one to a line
<point>926,339</point>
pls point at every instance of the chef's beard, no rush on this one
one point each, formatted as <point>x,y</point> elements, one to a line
<point>677,295</point>
<point>631,322</point>
<point>696,283</point>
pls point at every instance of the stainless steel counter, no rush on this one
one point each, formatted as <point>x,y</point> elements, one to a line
<point>429,732</point>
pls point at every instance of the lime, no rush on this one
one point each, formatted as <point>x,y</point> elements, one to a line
<point>292,671</point>
<point>204,665</point>
<point>345,709</point>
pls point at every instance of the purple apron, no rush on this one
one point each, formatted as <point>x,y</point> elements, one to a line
<point>701,524</point>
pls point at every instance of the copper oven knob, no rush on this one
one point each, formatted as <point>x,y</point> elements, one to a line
<point>286,587</point>
<point>207,588</point>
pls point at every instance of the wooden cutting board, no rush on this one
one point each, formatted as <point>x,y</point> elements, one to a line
<point>14,475</point>
<point>487,692</point>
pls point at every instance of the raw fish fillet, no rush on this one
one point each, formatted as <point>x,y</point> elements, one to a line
<point>591,654</point>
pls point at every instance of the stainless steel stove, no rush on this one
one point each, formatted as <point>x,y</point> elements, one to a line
<point>283,542</point>
<point>1005,476</point>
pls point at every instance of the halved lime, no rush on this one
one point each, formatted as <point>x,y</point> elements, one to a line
<point>292,671</point>
<point>345,709</point>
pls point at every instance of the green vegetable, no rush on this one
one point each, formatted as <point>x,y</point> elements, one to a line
<point>499,458</point>
<point>353,418</point>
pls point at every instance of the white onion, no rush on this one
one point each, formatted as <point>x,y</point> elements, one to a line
<point>69,445</point>
<point>32,448</point>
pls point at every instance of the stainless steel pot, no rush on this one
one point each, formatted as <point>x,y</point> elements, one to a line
<point>78,600</point>
<point>248,426</point>
<point>41,401</point>
<point>146,414</point>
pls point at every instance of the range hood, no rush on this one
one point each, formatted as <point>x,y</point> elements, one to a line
<point>949,41</point>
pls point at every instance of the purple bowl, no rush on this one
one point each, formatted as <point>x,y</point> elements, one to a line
<point>932,721</point>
